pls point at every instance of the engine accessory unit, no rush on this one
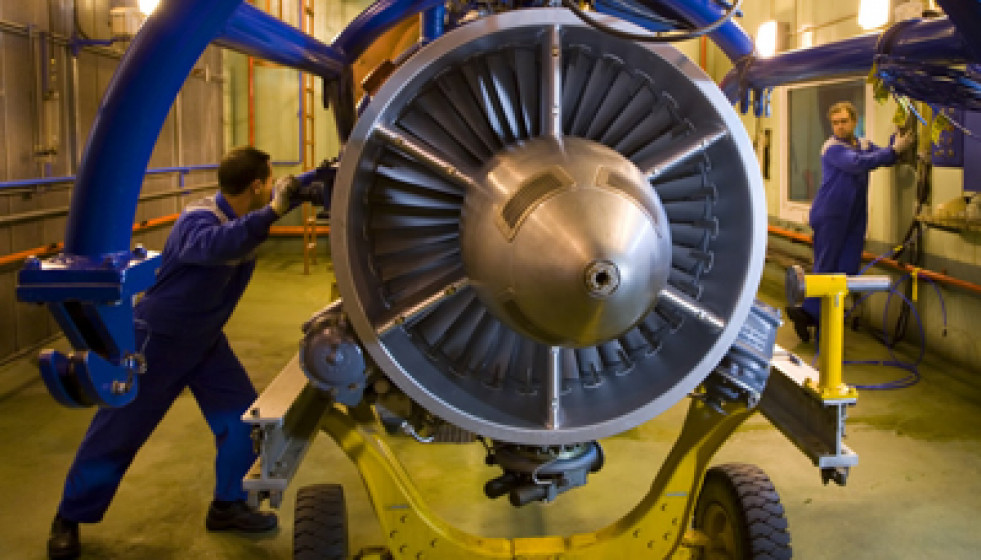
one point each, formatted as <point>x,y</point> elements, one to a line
<point>743,373</point>
<point>540,473</point>
<point>331,356</point>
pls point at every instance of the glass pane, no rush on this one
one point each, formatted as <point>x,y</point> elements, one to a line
<point>807,109</point>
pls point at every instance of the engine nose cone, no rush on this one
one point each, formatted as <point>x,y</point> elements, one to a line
<point>566,242</point>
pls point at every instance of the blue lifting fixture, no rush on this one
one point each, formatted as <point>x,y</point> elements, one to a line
<point>941,42</point>
<point>89,288</point>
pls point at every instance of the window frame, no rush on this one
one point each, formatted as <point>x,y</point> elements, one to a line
<point>792,210</point>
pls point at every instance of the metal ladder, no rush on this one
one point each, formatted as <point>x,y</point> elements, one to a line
<point>309,135</point>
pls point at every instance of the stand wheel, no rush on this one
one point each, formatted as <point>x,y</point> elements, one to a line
<point>740,512</point>
<point>320,523</point>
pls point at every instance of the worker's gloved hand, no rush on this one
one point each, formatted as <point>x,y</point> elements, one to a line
<point>285,192</point>
<point>902,141</point>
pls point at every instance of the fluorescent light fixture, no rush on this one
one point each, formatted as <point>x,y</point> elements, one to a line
<point>873,13</point>
<point>766,39</point>
<point>147,6</point>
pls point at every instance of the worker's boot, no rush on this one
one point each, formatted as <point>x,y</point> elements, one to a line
<point>238,516</point>
<point>63,544</point>
<point>802,322</point>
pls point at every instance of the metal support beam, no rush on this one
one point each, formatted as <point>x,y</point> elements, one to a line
<point>815,426</point>
<point>284,419</point>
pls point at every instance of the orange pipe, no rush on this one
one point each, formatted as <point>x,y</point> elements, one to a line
<point>277,231</point>
<point>155,222</point>
<point>891,263</point>
<point>14,258</point>
<point>297,231</point>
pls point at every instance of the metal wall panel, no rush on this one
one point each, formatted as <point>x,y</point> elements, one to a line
<point>5,236</point>
<point>4,82</point>
<point>25,235</point>
<point>201,97</point>
<point>61,165</point>
<point>23,325</point>
<point>163,152</point>
<point>33,324</point>
<point>18,105</point>
<point>8,322</point>
<point>53,229</point>
<point>147,210</point>
<point>88,92</point>
<point>25,11</point>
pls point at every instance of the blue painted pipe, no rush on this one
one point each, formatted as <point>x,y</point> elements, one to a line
<point>253,32</point>
<point>926,40</point>
<point>967,18</point>
<point>730,37</point>
<point>136,102</point>
<point>629,11</point>
<point>432,23</point>
<point>39,181</point>
<point>375,20</point>
<point>36,182</point>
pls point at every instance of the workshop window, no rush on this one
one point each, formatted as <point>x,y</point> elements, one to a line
<point>808,128</point>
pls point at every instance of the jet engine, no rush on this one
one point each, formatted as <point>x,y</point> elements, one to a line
<point>545,234</point>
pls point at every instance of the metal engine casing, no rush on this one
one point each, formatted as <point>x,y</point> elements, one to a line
<point>477,93</point>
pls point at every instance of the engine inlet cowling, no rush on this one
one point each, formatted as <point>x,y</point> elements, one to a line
<point>545,234</point>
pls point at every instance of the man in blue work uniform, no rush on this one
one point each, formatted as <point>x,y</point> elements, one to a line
<point>839,213</point>
<point>206,265</point>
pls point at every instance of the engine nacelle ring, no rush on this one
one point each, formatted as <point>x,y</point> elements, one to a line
<point>427,141</point>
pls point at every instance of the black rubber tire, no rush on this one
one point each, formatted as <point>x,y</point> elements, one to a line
<point>320,523</point>
<point>740,511</point>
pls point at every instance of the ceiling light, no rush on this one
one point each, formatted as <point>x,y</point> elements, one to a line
<point>873,13</point>
<point>147,6</point>
<point>766,39</point>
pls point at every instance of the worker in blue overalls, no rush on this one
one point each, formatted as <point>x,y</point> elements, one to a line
<point>839,213</point>
<point>205,267</point>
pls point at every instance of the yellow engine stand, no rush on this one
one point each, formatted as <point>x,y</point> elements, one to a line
<point>832,289</point>
<point>657,527</point>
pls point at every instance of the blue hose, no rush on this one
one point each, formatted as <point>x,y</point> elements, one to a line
<point>914,375</point>
<point>912,368</point>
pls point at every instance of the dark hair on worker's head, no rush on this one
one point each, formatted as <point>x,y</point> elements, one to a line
<point>240,167</point>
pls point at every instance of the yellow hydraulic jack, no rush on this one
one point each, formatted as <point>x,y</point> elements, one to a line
<point>832,289</point>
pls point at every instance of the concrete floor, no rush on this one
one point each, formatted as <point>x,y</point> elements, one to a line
<point>916,493</point>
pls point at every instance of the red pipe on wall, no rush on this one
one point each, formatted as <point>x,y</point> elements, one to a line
<point>20,256</point>
<point>895,265</point>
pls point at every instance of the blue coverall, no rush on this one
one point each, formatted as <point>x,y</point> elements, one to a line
<point>839,213</point>
<point>206,265</point>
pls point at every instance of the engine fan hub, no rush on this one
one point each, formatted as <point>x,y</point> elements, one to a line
<point>565,241</point>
